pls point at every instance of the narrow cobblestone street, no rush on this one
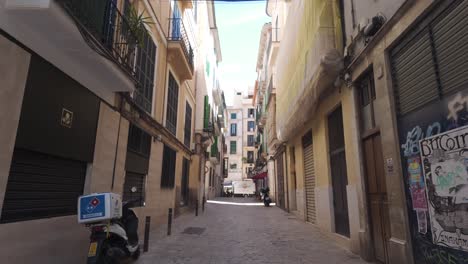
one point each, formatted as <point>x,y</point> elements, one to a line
<point>242,232</point>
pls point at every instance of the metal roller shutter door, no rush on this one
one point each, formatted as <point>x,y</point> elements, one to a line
<point>450,34</point>
<point>433,61</point>
<point>309,171</point>
<point>40,186</point>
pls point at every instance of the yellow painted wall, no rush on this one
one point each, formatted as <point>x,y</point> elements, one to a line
<point>312,31</point>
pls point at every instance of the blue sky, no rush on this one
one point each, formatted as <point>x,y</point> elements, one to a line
<point>239,26</point>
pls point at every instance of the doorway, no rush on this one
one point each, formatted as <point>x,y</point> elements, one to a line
<point>377,196</point>
<point>185,182</point>
<point>338,171</point>
<point>280,181</point>
<point>293,186</point>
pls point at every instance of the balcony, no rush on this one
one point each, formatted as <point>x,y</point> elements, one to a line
<point>180,52</point>
<point>91,41</point>
<point>273,45</point>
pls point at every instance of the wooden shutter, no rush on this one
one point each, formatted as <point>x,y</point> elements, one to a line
<point>168,168</point>
<point>172,104</point>
<point>280,181</point>
<point>188,124</point>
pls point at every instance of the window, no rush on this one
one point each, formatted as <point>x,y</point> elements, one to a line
<point>168,168</point>
<point>251,112</point>
<point>250,157</point>
<point>188,124</point>
<point>233,166</point>
<point>172,104</point>
<point>136,165</point>
<point>207,125</point>
<point>366,91</point>
<point>250,140</point>
<point>139,141</point>
<point>214,147</point>
<point>135,181</point>
<point>233,116</point>
<point>233,147</point>
<point>211,178</point>
<point>233,130</point>
<point>251,125</point>
<point>144,68</point>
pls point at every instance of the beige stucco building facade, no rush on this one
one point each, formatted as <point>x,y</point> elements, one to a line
<point>372,81</point>
<point>132,120</point>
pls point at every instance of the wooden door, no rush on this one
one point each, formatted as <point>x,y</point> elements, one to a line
<point>377,196</point>
<point>338,171</point>
<point>280,181</point>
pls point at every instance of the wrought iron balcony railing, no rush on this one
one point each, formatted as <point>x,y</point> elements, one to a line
<point>177,32</point>
<point>106,30</point>
<point>142,101</point>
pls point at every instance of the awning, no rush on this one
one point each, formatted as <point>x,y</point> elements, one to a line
<point>260,176</point>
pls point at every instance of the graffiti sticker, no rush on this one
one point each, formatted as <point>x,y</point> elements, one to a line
<point>422,222</point>
<point>444,158</point>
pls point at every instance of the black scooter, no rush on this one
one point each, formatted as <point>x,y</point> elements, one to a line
<point>116,240</point>
<point>266,196</point>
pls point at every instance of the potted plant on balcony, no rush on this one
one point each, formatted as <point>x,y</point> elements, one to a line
<point>134,30</point>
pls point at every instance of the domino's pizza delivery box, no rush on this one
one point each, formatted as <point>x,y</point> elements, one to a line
<point>98,207</point>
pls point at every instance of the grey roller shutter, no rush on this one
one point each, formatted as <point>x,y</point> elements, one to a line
<point>414,73</point>
<point>432,61</point>
<point>41,185</point>
<point>309,173</point>
<point>450,41</point>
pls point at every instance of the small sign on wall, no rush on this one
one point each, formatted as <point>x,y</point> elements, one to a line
<point>67,118</point>
<point>389,163</point>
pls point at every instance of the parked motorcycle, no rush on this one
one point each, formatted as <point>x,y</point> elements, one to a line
<point>266,196</point>
<point>114,240</point>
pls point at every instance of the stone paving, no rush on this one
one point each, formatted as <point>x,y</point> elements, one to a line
<point>227,233</point>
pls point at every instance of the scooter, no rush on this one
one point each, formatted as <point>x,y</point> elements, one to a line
<point>115,240</point>
<point>266,196</point>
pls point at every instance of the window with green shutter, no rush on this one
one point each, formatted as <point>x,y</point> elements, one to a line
<point>206,114</point>
<point>233,147</point>
<point>214,147</point>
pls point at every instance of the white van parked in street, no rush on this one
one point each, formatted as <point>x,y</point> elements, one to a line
<point>244,187</point>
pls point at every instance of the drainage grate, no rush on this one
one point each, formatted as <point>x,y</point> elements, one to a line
<point>193,230</point>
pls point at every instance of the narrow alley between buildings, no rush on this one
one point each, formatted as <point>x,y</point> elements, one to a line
<point>118,117</point>
<point>238,230</point>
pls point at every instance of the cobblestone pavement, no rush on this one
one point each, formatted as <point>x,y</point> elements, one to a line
<point>228,233</point>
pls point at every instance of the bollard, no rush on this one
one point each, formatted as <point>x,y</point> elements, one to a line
<point>196,208</point>
<point>203,204</point>
<point>169,222</point>
<point>147,229</point>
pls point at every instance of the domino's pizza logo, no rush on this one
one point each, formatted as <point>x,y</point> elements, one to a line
<point>92,205</point>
